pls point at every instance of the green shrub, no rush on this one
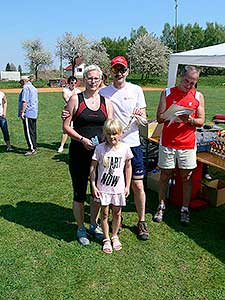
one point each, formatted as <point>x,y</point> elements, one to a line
<point>15,84</point>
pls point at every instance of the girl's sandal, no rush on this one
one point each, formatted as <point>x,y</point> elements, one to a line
<point>107,247</point>
<point>117,246</point>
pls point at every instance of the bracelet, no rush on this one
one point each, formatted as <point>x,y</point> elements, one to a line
<point>81,139</point>
<point>192,121</point>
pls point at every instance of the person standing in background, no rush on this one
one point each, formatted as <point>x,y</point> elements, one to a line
<point>3,121</point>
<point>28,111</point>
<point>67,93</point>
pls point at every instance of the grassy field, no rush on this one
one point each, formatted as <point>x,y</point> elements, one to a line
<point>39,257</point>
<point>152,81</point>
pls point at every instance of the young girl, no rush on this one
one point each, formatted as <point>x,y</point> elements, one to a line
<point>110,176</point>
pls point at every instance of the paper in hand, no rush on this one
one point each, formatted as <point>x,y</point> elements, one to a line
<point>174,111</point>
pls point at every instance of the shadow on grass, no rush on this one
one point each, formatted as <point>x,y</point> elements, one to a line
<point>15,149</point>
<point>206,228</point>
<point>61,157</point>
<point>49,218</point>
<point>53,146</point>
<point>2,148</point>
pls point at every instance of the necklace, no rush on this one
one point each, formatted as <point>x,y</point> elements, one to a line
<point>92,99</point>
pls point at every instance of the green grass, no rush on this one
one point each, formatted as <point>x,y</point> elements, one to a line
<point>15,84</point>
<point>152,81</point>
<point>39,258</point>
<point>161,81</point>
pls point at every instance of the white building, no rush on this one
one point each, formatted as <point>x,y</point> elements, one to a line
<point>78,72</point>
<point>9,75</point>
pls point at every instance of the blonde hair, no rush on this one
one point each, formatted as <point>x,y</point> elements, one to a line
<point>112,127</point>
<point>92,68</point>
<point>190,69</point>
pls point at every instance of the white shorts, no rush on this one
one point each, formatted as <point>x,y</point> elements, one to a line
<point>169,157</point>
<point>114,199</point>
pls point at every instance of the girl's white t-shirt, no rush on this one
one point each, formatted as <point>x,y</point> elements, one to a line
<point>111,163</point>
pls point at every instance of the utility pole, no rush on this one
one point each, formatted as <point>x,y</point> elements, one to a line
<point>176,34</point>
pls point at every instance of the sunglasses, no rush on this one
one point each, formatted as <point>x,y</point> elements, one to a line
<point>116,70</point>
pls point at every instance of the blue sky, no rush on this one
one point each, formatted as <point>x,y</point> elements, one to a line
<point>48,20</point>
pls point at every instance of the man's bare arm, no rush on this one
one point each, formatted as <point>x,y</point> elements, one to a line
<point>200,119</point>
<point>161,108</point>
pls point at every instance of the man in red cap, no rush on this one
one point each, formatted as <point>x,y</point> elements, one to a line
<point>128,100</point>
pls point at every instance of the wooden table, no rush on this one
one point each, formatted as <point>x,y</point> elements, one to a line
<point>211,159</point>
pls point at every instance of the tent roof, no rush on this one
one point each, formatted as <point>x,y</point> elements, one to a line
<point>212,56</point>
<point>208,51</point>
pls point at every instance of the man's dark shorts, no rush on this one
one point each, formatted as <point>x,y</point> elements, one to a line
<point>138,169</point>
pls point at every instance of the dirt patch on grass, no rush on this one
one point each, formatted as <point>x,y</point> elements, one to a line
<point>55,90</point>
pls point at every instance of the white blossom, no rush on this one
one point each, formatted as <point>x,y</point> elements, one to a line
<point>36,55</point>
<point>148,56</point>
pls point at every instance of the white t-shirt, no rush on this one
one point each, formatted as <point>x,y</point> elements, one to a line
<point>68,93</point>
<point>2,95</point>
<point>124,101</point>
<point>111,163</point>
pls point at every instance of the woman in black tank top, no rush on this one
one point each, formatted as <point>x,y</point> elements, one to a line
<point>88,111</point>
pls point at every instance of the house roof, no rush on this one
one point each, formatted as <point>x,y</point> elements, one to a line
<point>69,67</point>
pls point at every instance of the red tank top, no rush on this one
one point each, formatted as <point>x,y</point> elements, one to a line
<point>180,135</point>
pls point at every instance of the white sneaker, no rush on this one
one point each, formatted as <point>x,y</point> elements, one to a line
<point>60,150</point>
<point>82,236</point>
<point>158,217</point>
<point>208,176</point>
<point>29,153</point>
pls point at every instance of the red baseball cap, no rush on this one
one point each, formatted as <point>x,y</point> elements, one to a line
<point>119,60</point>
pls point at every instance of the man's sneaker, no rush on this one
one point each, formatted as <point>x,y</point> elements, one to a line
<point>142,231</point>
<point>29,153</point>
<point>82,236</point>
<point>96,231</point>
<point>159,214</point>
<point>60,150</point>
<point>9,149</point>
<point>184,217</point>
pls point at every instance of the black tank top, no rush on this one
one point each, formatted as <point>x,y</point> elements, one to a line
<point>87,122</point>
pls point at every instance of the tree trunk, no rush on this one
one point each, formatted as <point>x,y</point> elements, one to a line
<point>36,73</point>
<point>73,67</point>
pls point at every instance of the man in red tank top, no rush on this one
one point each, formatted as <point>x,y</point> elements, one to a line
<point>178,140</point>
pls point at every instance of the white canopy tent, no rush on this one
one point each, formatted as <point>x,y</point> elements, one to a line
<point>212,56</point>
